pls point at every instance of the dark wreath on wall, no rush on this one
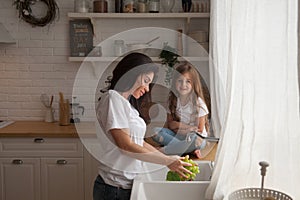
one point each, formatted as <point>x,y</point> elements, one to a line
<point>25,11</point>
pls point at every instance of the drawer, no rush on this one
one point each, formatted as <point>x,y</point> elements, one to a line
<point>36,147</point>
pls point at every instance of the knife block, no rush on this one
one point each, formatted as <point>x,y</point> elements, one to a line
<point>64,114</point>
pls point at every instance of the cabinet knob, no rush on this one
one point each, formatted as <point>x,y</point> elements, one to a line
<point>39,140</point>
<point>61,162</point>
<point>17,162</point>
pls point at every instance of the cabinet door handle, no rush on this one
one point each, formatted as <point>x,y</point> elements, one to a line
<point>39,140</point>
<point>17,162</point>
<point>61,162</point>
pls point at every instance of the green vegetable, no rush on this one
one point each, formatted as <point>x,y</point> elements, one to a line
<point>174,176</point>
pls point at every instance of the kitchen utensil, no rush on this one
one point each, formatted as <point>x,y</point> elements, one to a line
<point>64,114</point>
<point>156,38</point>
<point>210,139</point>
<point>51,101</point>
<point>64,110</point>
<point>259,193</point>
<point>49,114</point>
<point>45,100</point>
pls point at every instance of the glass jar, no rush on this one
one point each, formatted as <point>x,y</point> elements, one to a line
<point>167,5</point>
<point>81,6</point>
<point>142,6</point>
<point>119,47</point>
<point>154,6</point>
<point>100,6</point>
<point>128,6</point>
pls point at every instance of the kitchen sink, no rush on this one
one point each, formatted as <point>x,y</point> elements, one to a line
<point>153,186</point>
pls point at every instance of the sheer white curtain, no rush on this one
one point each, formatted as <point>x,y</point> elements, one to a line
<point>255,93</point>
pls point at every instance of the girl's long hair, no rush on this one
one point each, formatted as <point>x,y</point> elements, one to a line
<point>197,92</point>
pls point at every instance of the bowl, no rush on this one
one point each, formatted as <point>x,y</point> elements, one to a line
<point>138,47</point>
<point>254,194</point>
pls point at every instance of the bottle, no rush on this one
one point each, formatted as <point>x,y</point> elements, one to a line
<point>119,47</point>
<point>118,6</point>
<point>154,6</point>
<point>179,43</point>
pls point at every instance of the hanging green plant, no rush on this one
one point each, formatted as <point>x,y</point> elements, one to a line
<point>170,58</point>
<point>26,14</point>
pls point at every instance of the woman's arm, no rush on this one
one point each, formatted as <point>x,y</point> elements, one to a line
<point>146,153</point>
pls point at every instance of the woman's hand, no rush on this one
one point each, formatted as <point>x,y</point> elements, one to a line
<point>178,166</point>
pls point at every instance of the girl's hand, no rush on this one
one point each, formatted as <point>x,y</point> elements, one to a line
<point>178,166</point>
<point>193,128</point>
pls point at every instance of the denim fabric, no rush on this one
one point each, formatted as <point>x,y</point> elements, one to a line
<point>164,135</point>
<point>176,143</point>
<point>103,191</point>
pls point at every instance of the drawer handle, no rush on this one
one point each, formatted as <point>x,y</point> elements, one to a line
<point>17,162</point>
<point>39,140</point>
<point>61,162</point>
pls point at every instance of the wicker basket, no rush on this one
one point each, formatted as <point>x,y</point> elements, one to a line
<point>254,194</point>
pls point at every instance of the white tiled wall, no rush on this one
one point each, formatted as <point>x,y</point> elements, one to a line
<point>38,62</point>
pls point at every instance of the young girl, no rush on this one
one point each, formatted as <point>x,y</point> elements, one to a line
<point>187,113</point>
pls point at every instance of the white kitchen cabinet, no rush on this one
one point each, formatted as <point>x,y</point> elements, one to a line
<point>41,168</point>
<point>62,178</point>
<point>20,178</point>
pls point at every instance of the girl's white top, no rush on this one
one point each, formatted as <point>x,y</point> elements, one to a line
<point>184,113</point>
<point>115,112</point>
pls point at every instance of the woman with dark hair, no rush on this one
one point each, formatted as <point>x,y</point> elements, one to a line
<point>122,135</point>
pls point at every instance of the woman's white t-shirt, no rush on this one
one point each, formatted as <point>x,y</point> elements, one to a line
<point>115,112</point>
<point>184,112</point>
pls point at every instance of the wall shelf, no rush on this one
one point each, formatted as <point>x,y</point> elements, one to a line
<point>116,59</point>
<point>182,15</point>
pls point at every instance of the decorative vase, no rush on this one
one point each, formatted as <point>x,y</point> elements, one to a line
<point>168,5</point>
<point>186,5</point>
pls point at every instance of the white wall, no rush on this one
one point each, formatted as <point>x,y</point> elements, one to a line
<point>299,46</point>
<point>38,62</point>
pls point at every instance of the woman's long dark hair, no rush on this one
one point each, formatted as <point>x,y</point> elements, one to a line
<point>129,68</point>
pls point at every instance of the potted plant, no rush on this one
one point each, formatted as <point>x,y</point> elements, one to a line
<point>169,57</point>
